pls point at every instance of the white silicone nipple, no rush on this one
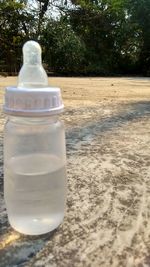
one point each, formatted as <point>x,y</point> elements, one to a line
<point>32,73</point>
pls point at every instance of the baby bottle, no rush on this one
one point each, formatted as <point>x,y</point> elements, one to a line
<point>34,149</point>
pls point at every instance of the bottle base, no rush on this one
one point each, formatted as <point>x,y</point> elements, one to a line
<point>35,226</point>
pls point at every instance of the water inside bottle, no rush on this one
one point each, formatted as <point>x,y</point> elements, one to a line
<point>35,192</point>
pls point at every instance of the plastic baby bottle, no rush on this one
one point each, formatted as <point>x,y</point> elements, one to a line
<point>34,149</point>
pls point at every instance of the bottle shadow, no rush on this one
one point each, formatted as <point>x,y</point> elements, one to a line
<point>17,249</point>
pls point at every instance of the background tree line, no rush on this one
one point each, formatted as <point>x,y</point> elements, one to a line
<point>78,37</point>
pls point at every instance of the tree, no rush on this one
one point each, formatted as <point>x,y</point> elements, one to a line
<point>14,30</point>
<point>63,50</point>
<point>100,37</point>
<point>111,37</point>
<point>140,15</point>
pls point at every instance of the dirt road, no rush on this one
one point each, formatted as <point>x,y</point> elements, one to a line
<point>107,221</point>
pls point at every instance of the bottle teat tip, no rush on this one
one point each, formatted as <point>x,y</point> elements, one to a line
<point>32,53</point>
<point>32,73</point>
<point>32,47</point>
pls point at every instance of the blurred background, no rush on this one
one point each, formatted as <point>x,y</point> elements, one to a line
<point>78,37</point>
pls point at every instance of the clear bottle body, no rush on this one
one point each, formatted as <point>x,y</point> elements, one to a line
<point>34,173</point>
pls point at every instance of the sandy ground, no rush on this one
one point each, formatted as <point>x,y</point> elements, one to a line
<point>107,221</point>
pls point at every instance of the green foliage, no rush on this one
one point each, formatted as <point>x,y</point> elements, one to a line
<point>140,15</point>
<point>98,37</point>
<point>112,33</point>
<point>14,30</point>
<point>64,52</point>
